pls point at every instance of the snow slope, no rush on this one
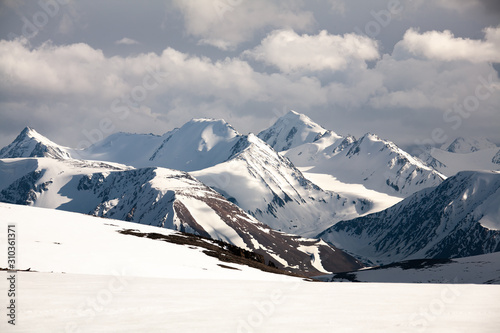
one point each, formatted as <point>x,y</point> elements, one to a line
<point>159,197</point>
<point>459,218</point>
<point>56,241</point>
<point>380,200</point>
<point>482,269</point>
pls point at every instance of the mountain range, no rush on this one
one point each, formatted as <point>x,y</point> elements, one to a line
<point>458,218</point>
<point>296,193</point>
<point>163,198</point>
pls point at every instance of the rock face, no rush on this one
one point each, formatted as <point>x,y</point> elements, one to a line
<point>165,198</point>
<point>459,218</point>
<point>496,158</point>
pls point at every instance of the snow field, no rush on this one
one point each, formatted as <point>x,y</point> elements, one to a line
<point>54,302</point>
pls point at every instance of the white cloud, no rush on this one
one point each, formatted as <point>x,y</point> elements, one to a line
<point>126,41</point>
<point>77,84</point>
<point>291,52</point>
<point>227,23</point>
<point>446,47</point>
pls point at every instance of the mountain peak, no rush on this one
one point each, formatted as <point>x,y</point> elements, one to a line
<point>30,143</point>
<point>28,132</point>
<point>198,144</point>
<point>292,130</point>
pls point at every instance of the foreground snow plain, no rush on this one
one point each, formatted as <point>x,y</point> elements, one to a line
<point>90,278</point>
<point>55,302</point>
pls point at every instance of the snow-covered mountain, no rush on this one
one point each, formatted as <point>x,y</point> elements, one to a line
<point>292,130</point>
<point>482,269</point>
<point>29,143</point>
<point>159,197</point>
<point>269,187</point>
<point>459,218</point>
<point>198,144</point>
<point>236,165</point>
<point>375,163</point>
<point>463,145</point>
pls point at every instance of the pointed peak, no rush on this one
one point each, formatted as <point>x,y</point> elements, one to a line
<point>291,130</point>
<point>372,137</point>
<point>293,113</point>
<point>28,130</point>
<point>28,133</point>
<point>29,143</point>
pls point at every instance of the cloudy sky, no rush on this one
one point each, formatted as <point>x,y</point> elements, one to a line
<point>411,71</point>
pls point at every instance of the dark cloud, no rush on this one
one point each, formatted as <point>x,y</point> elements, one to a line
<point>491,6</point>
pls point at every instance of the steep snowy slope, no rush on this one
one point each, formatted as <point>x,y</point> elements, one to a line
<point>160,197</point>
<point>292,130</point>
<point>375,163</point>
<point>29,143</point>
<point>482,269</point>
<point>449,163</point>
<point>459,218</point>
<point>468,145</point>
<point>269,187</point>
